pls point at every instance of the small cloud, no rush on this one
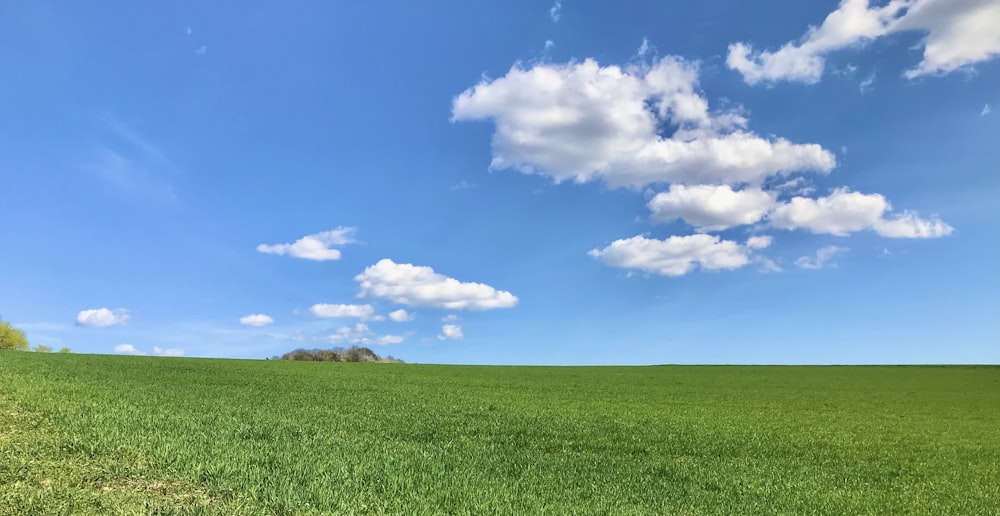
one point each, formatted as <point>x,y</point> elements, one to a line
<point>401,315</point>
<point>823,258</point>
<point>450,318</point>
<point>318,246</point>
<point>549,45</point>
<point>767,265</point>
<point>256,320</point>
<point>128,349</point>
<point>360,333</point>
<point>867,84</point>
<point>986,110</point>
<point>102,317</point>
<point>363,312</point>
<point>451,331</point>
<point>463,185</point>
<point>643,49</point>
<point>169,352</point>
<point>188,31</point>
<point>202,50</point>
<point>759,242</point>
<point>555,12</point>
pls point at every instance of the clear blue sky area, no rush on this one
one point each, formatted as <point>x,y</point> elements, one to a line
<point>513,182</point>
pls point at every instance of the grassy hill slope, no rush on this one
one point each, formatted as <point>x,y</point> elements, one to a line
<point>88,434</point>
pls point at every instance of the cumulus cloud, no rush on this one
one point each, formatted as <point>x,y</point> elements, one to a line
<point>823,258</point>
<point>127,348</point>
<point>844,212</point>
<point>256,320</point>
<point>169,352</point>
<point>401,315</point>
<point>582,121</point>
<point>958,33</point>
<point>759,242</point>
<point>343,311</point>
<point>420,286</point>
<point>555,12</point>
<point>451,331</point>
<point>317,246</point>
<point>102,317</point>
<point>710,207</point>
<point>360,333</point>
<point>677,255</point>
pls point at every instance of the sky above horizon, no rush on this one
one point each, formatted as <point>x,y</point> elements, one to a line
<point>504,183</point>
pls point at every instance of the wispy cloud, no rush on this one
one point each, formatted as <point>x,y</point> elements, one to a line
<point>867,84</point>
<point>202,50</point>
<point>463,185</point>
<point>133,164</point>
<point>986,110</point>
<point>824,258</point>
<point>555,12</point>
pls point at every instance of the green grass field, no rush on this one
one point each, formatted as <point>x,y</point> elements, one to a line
<point>82,434</point>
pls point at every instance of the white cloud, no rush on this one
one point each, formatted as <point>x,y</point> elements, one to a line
<point>256,320</point>
<point>450,318</point>
<point>710,207</point>
<point>202,50</point>
<point>799,185</point>
<point>127,348</point>
<point>169,352</point>
<point>102,317</point>
<point>463,185</point>
<point>867,84</point>
<point>958,34</point>
<point>549,45</point>
<point>451,331</point>
<point>360,333</point>
<point>986,110</point>
<point>343,311</point>
<point>555,12</point>
<point>675,256</point>
<point>759,242</point>
<point>586,122</point>
<point>420,286</point>
<point>401,315</point>
<point>314,247</point>
<point>766,265</point>
<point>824,258</point>
<point>844,212</point>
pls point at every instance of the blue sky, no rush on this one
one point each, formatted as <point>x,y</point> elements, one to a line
<point>504,183</point>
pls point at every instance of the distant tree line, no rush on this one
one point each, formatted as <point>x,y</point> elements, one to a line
<point>351,354</point>
<point>13,338</point>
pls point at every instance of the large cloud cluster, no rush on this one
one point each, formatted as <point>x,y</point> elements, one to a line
<point>648,126</point>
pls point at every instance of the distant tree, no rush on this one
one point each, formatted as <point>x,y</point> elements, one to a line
<point>64,350</point>
<point>12,338</point>
<point>358,354</point>
<point>326,355</point>
<point>298,354</point>
<point>41,348</point>
<point>351,354</point>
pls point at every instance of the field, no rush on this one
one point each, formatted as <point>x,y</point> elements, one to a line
<point>83,434</point>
